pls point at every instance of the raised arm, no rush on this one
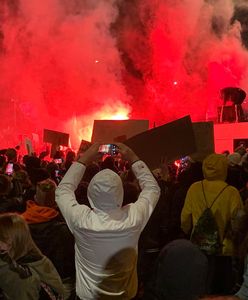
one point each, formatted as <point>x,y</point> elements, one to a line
<point>65,196</point>
<point>150,191</point>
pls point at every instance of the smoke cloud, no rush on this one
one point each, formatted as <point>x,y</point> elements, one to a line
<point>187,51</point>
<point>61,66</point>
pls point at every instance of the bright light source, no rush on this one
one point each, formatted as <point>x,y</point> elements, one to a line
<point>96,61</point>
<point>175,82</point>
<point>116,112</point>
<point>81,131</point>
<point>177,163</point>
<point>120,116</point>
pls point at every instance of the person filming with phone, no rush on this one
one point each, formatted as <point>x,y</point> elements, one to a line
<point>107,234</point>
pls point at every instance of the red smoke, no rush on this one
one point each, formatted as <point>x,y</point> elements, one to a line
<point>66,63</point>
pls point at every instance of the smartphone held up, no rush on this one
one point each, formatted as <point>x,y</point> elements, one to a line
<point>9,169</point>
<point>110,149</point>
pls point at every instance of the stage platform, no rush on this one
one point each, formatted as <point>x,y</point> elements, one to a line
<point>228,135</point>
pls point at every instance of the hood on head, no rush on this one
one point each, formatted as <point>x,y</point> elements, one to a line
<point>215,167</point>
<point>105,191</point>
<point>174,259</point>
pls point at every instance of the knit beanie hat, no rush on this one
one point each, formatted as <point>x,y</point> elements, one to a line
<point>234,159</point>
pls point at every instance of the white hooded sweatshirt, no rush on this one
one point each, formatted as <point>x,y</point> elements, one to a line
<point>106,236</point>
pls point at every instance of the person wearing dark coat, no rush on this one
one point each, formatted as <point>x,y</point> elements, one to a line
<point>49,230</point>
<point>180,273</point>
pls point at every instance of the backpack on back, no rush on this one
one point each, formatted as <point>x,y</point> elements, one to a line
<point>206,233</point>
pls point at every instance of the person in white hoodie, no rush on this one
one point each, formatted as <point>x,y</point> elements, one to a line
<point>107,234</point>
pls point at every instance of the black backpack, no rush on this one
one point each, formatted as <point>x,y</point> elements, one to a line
<point>206,233</point>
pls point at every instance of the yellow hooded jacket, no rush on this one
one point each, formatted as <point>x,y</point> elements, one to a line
<point>225,208</point>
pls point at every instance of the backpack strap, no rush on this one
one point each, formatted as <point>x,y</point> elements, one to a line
<point>214,198</point>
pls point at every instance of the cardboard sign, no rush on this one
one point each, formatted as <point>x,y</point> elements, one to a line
<point>110,131</point>
<point>55,137</point>
<point>204,137</point>
<point>173,140</point>
<point>29,146</point>
<point>120,139</point>
<point>35,138</point>
<point>85,145</point>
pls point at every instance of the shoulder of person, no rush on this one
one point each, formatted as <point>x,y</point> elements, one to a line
<point>196,185</point>
<point>233,190</point>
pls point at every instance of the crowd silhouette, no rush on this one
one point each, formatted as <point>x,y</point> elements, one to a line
<point>91,226</point>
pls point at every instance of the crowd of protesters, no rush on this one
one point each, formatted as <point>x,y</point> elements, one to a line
<point>105,227</point>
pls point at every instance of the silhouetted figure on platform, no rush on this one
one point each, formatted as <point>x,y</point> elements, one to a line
<point>231,110</point>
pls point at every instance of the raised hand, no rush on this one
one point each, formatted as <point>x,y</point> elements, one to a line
<point>89,155</point>
<point>127,153</point>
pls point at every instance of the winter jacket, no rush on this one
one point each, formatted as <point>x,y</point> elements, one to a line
<point>52,237</point>
<point>106,236</point>
<point>225,208</point>
<point>38,214</point>
<point>180,273</point>
<point>16,288</point>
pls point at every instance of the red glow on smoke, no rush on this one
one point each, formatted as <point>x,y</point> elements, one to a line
<point>63,66</point>
<point>81,127</point>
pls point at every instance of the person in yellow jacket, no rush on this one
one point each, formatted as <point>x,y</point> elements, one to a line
<point>225,209</point>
